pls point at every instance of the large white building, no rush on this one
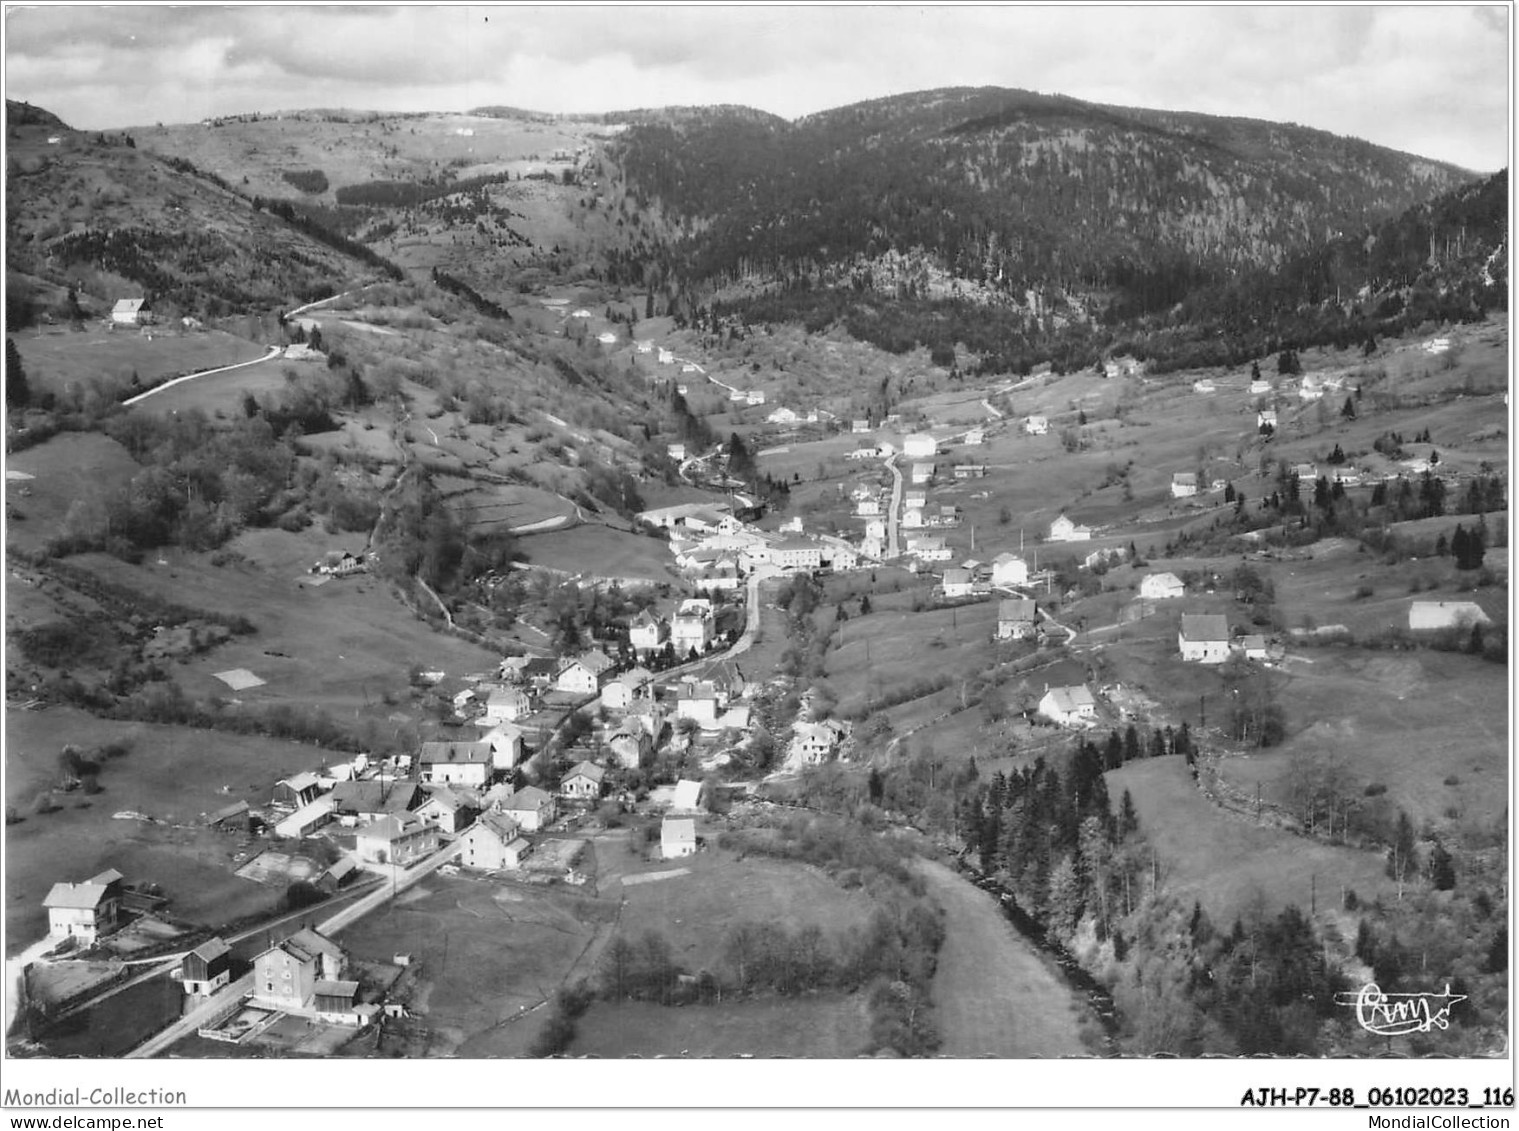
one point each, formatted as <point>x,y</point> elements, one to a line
<point>920,445</point>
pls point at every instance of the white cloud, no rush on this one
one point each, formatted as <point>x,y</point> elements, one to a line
<point>1431,80</point>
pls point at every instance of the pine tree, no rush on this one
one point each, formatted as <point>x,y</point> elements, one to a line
<point>18,393</point>
<point>1442,869</point>
<point>1128,819</point>
<point>1348,412</point>
<point>1402,857</point>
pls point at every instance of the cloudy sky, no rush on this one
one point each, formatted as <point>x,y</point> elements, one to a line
<point>1428,80</point>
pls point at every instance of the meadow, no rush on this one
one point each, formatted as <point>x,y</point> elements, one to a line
<point>173,774</point>
<point>56,357</point>
<point>1227,862</point>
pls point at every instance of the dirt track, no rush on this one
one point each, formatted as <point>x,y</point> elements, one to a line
<point>993,995</point>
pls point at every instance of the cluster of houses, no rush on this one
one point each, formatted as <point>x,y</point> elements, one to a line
<point>715,551</point>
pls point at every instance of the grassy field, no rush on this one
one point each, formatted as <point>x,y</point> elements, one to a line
<point>1411,721</point>
<point>66,468</point>
<point>488,950</point>
<point>173,774</point>
<point>993,994</point>
<point>904,647</point>
<point>827,1025</point>
<point>1226,862</point>
<point>343,645</point>
<point>600,551</point>
<point>695,911</point>
<point>221,394</point>
<point>55,358</point>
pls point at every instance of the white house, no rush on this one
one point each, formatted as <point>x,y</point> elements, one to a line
<point>677,838</point>
<point>644,345</point>
<point>492,842</point>
<point>532,808</point>
<point>1068,706</point>
<point>797,553</point>
<point>618,695</point>
<point>1432,615</point>
<point>912,516</point>
<point>876,528</point>
<point>1009,569</point>
<point>505,741</point>
<point>1204,638</point>
<point>1266,418</point>
<point>507,704</point>
<point>813,743</point>
<point>755,397</point>
<point>676,452</point>
<point>1253,647</point>
<point>692,626</point>
<point>929,549</point>
<point>1203,386</point>
<point>1036,425</point>
<point>583,782</point>
<point>307,819</point>
<point>647,633</point>
<point>84,910</point>
<point>1183,484</point>
<point>606,338</point>
<point>957,583</point>
<point>1064,530</point>
<point>922,473</point>
<point>446,810</point>
<point>1015,618</point>
<point>920,445</point>
<point>975,437</point>
<point>585,674</point>
<point>401,840</point>
<point>1260,387</point>
<point>859,427</point>
<point>629,743</point>
<point>457,763</point>
<point>782,416</point>
<point>130,312</point>
<point>666,357</point>
<point>867,508</point>
<point>1161,586</point>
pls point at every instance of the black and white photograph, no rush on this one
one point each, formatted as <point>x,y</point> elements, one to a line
<point>817,545</point>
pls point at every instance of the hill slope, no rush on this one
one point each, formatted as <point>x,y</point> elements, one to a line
<point>95,212</point>
<point>995,192</point>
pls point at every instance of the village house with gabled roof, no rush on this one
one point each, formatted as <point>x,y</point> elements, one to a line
<point>370,800</point>
<point>507,704</point>
<point>693,626</point>
<point>1015,618</point>
<point>1183,484</point>
<point>1065,530</point>
<point>285,977</point>
<point>618,694</point>
<point>532,808</point>
<point>1204,638</point>
<point>131,312</point>
<point>1161,587</point>
<point>1009,569</point>
<point>448,811</point>
<point>400,840</point>
<point>457,763</point>
<point>492,843</point>
<point>585,674</point>
<point>647,632</point>
<point>505,741</point>
<point>297,790</point>
<point>629,743</point>
<point>85,910</point>
<point>583,782</point>
<point>1068,706</point>
<point>207,968</point>
<point>957,583</point>
<point>1036,425</point>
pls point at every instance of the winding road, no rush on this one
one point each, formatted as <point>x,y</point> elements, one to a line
<point>274,351</point>
<point>893,549</point>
